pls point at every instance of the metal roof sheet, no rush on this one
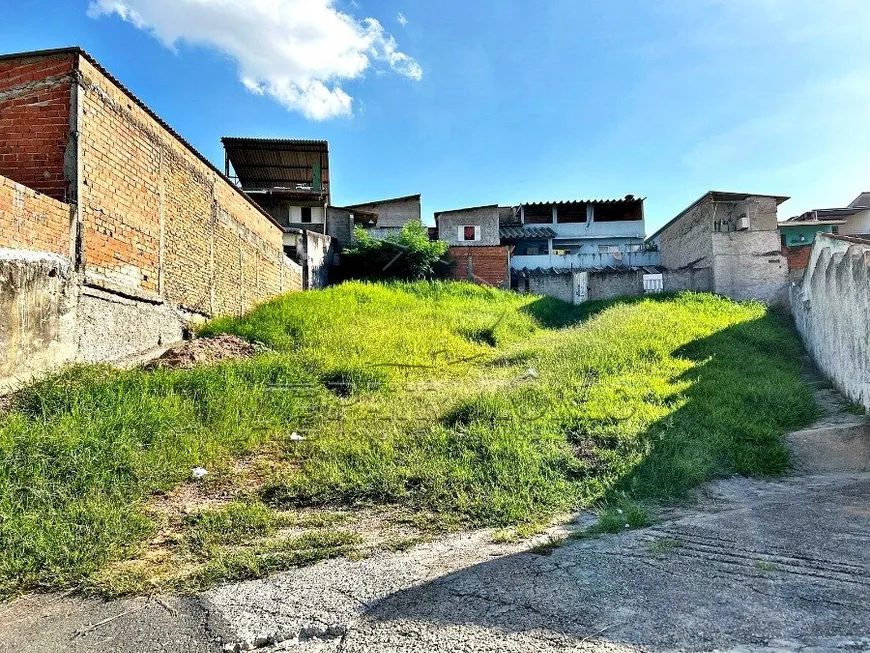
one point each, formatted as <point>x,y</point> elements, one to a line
<point>519,233</point>
<point>607,269</point>
<point>629,199</point>
<point>278,163</point>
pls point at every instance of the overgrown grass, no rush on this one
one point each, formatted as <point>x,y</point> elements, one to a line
<point>469,405</point>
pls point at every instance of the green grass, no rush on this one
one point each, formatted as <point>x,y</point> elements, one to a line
<point>413,396</point>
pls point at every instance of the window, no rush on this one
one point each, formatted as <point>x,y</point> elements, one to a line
<point>608,249</point>
<point>306,214</point>
<point>571,213</point>
<point>537,214</point>
<point>468,233</point>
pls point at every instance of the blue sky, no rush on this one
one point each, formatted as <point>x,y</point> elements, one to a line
<point>479,102</point>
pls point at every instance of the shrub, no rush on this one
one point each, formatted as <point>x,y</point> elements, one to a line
<point>408,255</point>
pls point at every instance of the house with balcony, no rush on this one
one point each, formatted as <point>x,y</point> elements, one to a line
<point>574,250</point>
<point>579,234</point>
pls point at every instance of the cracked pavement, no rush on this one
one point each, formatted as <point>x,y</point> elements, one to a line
<point>755,566</point>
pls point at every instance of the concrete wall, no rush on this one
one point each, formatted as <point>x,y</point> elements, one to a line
<point>339,225</point>
<point>599,285</point>
<point>394,212</point>
<point>484,217</point>
<point>38,297</point>
<point>483,265</point>
<point>857,224</point>
<point>831,307</point>
<point>695,280</point>
<point>687,242</point>
<point>560,286</point>
<point>750,265</point>
<point>607,285</point>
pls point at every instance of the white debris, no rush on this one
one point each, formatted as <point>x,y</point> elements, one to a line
<point>199,472</point>
<point>619,510</point>
<point>531,373</point>
<point>295,437</point>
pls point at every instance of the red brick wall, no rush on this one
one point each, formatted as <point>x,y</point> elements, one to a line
<point>798,257</point>
<point>30,220</point>
<point>158,219</point>
<point>35,121</point>
<point>483,265</point>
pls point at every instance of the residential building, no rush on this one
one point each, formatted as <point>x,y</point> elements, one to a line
<point>553,247</point>
<point>382,218</point>
<point>578,234</point>
<point>727,243</point>
<point>798,234</point>
<point>475,247</point>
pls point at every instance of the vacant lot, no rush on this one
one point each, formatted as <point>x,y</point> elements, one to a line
<point>377,414</point>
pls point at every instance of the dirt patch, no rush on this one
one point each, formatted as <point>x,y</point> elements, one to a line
<point>205,351</point>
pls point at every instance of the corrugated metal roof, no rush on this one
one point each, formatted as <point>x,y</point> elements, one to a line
<point>519,233</point>
<point>826,216</point>
<point>607,269</point>
<point>278,163</point>
<point>630,199</point>
<point>404,198</point>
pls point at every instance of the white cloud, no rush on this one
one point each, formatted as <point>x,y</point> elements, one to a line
<point>296,51</point>
<point>402,20</point>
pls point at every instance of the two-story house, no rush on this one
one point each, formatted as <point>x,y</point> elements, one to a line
<point>574,250</point>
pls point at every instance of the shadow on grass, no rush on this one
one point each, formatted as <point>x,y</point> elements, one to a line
<point>553,313</point>
<point>745,393</point>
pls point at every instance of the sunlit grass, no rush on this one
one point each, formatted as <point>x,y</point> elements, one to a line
<point>469,405</point>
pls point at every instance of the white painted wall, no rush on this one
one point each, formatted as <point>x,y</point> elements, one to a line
<point>857,224</point>
<point>831,307</point>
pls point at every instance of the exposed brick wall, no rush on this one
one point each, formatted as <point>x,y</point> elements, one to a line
<point>30,220</point>
<point>798,257</point>
<point>156,218</point>
<point>35,96</point>
<point>483,265</point>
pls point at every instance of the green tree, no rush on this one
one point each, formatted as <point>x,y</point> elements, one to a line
<point>406,255</point>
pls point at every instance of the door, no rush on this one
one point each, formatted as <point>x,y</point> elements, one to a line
<point>581,287</point>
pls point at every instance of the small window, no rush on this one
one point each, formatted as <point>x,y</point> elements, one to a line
<point>468,233</point>
<point>306,214</point>
<point>608,249</point>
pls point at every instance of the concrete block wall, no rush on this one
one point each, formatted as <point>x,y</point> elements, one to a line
<point>831,308</point>
<point>35,102</point>
<point>489,265</point>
